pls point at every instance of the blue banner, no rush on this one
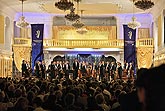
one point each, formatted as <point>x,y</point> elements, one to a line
<point>37,43</point>
<point>129,45</point>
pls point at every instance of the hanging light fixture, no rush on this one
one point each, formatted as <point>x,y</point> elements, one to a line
<point>82,30</point>
<point>144,4</point>
<point>133,24</point>
<point>64,5</point>
<point>22,23</point>
<point>72,16</point>
<point>78,24</point>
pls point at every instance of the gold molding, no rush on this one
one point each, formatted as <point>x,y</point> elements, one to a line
<point>144,57</point>
<point>21,53</point>
<point>94,32</point>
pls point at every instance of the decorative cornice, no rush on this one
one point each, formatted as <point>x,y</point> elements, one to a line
<point>157,9</point>
<point>7,11</point>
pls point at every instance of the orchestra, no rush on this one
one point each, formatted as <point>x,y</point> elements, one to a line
<point>62,69</point>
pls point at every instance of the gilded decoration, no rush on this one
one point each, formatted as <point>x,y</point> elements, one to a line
<point>94,32</point>
<point>143,33</point>
<point>144,57</point>
<point>5,63</point>
<point>21,53</point>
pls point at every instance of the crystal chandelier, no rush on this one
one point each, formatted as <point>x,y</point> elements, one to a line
<point>78,24</point>
<point>82,30</point>
<point>64,5</point>
<point>22,23</point>
<point>134,24</point>
<point>144,4</point>
<point>72,16</point>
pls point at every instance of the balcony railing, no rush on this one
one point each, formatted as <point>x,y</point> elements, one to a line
<point>84,43</point>
<point>115,43</point>
<point>22,41</point>
<point>145,42</point>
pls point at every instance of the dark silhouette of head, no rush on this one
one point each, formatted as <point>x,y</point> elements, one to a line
<point>150,86</point>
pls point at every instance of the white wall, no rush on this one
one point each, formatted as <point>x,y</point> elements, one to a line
<point>38,18</point>
<point>123,19</point>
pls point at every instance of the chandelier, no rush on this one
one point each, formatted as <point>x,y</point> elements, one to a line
<point>64,5</point>
<point>22,23</point>
<point>72,16</point>
<point>134,24</point>
<point>82,30</point>
<point>78,24</point>
<point>144,4</point>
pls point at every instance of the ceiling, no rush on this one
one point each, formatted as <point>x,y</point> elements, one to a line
<point>90,7</point>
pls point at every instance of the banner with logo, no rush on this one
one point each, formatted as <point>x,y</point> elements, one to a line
<point>37,43</point>
<point>129,45</point>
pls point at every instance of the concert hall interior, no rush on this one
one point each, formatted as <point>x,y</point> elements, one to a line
<point>79,41</point>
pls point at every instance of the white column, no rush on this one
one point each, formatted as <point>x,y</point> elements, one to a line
<point>155,35</point>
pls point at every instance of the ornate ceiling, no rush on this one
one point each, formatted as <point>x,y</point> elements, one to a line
<point>91,7</point>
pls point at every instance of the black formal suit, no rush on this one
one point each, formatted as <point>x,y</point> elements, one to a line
<point>43,70</point>
<point>52,71</point>
<point>24,68</point>
<point>102,71</point>
<point>112,70</point>
<point>38,69</point>
<point>83,69</point>
<point>120,71</point>
<point>75,69</point>
<point>60,69</point>
<point>108,71</point>
<point>66,70</point>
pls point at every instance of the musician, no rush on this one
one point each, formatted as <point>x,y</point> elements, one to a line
<point>51,69</point>
<point>24,68</point>
<point>75,69</point>
<point>43,69</point>
<point>80,65</point>
<point>83,69</point>
<point>38,69</point>
<point>94,70</point>
<point>108,70</point>
<point>112,70</point>
<point>127,68</point>
<point>119,70</point>
<point>66,69</point>
<point>60,69</point>
<point>102,71</point>
<point>89,69</point>
<point>56,68</point>
<point>28,68</point>
<point>124,65</point>
<point>131,70</point>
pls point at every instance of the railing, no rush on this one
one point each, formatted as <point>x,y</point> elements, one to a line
<point>84,43</point>
<point>145,42</point>
<point>5,63</point>
<point>115,43</point>
<point>22,41</point>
